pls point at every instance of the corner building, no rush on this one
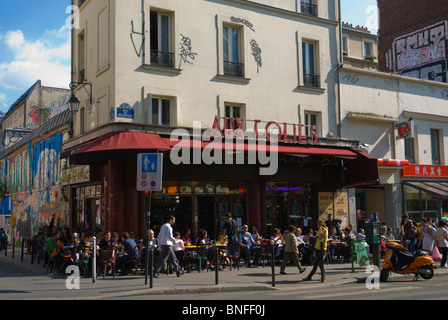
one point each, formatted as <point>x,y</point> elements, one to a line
<point>155,66</point>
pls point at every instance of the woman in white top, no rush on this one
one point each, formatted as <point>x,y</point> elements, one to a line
<point>179,249</point>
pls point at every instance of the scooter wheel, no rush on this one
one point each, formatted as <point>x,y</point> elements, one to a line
<point>384,275</point>
<point>426,272</point>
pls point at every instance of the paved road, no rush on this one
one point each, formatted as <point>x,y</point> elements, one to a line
<point>401,288</point>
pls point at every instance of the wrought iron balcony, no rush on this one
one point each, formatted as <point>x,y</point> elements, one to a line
<point>308,8</point>
<point>164,59</point>
<point>311,80</point>
<point>233,69</point>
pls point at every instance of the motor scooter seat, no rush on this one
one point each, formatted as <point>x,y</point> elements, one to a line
<point>419,253</point>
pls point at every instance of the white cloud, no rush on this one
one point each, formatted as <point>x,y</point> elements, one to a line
<point>46,59</point>
<point>15,39</point>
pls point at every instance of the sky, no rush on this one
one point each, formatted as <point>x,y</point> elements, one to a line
<point>35,42</point>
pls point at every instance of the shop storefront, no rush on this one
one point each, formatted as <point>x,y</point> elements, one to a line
<point>199,205</point>
<point>425,191</point>
<point>200,194</point>
<point>87,208</point>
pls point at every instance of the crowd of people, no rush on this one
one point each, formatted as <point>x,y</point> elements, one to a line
<point>291,245</point>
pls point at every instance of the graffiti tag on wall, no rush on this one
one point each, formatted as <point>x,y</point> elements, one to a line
<point>422,54</point>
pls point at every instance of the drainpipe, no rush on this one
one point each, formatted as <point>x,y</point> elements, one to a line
<point>340,64</point>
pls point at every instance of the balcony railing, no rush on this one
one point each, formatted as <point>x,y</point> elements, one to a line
<point>308,8</point>
<point>311,80</point>
<point>164,59</point>
<point>233,69</point>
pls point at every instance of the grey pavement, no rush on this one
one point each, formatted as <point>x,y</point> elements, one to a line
<point>23,280</point>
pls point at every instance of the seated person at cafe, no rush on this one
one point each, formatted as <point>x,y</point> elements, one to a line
<point>247,247</point>
<point>152,247</point>
<point>277,242</point>
<point>55,249</point>
<point>301,246</point>
<point>187,237</point>
<point>107,241</point>
<point>128,246</point>
<point>86,239</point>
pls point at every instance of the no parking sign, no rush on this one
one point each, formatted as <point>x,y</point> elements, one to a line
<point>149,171</point>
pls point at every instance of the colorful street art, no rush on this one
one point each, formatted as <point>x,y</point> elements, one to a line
<point>38,198</point>
<point>422,54</point>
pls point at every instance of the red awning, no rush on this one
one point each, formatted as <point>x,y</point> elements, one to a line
<point>115,141</point>
<point>392,163</point>
<point>292,149</point>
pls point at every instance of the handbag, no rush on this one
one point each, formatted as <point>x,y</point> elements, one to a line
<point>436,256</point>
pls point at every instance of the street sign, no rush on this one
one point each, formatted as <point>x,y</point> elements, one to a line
<point>149,171</point>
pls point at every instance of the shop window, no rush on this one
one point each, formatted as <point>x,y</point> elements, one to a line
<point>286,205</point>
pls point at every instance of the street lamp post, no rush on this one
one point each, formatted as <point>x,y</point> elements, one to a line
<point>73,102</point>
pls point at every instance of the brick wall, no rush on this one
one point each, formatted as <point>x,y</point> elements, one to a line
<point>401,17</point>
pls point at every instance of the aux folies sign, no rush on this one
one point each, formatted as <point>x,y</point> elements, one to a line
<point>273,131</point>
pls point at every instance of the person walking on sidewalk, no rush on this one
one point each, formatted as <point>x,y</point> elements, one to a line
<point>291,250</point>
<point>166,241</point>
<point>320,248</point>
<point>441,238</point>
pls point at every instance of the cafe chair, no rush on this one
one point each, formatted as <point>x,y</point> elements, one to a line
<point>108,257</point>
<point>83,259</point>
<point>201,256</point>
<point>135,262</point>
<point>265,253</point>
<point>234,254</point>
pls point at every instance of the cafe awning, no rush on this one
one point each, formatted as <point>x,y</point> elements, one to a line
<point>438,189</point>
<point>118,145</point>
<point>289,149</point>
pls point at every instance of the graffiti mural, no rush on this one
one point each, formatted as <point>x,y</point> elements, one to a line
<point>40,115</point>
<point>422,54</point>
<point>35,187</point>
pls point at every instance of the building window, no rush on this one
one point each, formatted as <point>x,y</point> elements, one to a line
<point>310,120</point>
<point>345,46</point>
<point>435,146</point>
<point>308,7</point>
<point>81,58</point>
<point>161,39</point>
<point>310,76</point>
<point>233,65</point>
<point>161,112</point>
<point>233,112</point>
<point>409,150</point>
<point>368,51</point>
<point>82,114</point>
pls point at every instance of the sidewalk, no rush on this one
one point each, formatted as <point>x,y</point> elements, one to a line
<point>23,280</point>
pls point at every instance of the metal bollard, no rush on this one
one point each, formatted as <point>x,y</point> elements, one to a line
<point>94,260</point>
<point>273,262</point>
<point>21,255</point>
<point>216,266</point>
<point>13,246</point>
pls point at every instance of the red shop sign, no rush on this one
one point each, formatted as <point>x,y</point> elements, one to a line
<point>420,170</point>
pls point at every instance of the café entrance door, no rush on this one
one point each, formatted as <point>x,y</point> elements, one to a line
<point>206,215</point>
